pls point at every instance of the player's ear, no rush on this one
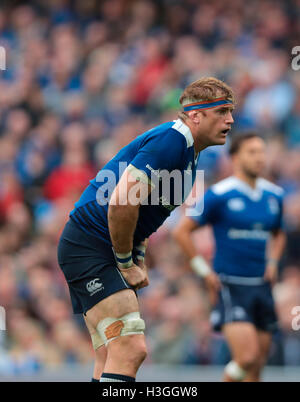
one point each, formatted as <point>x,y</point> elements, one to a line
<point>194,116</point>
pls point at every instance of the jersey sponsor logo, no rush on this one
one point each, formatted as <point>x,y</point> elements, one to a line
<point>236,204</point>
<point>170,188</point>
<point>94,287</point>
<point>248,234</point>
<point>239,313</point>
<point>215,317</point>
<point>153,171</point>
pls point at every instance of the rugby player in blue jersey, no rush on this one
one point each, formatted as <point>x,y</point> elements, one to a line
<point>101,250</point>
<point>245,212</point>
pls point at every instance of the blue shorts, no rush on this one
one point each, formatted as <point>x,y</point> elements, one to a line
<point>89,267</point>
<point>249,302</point>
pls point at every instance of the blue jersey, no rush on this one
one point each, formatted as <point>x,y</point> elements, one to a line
<point>166,148</point>
<point>242,219</point>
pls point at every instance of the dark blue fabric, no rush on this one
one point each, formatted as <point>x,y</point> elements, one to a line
<point>245,303</point>
<point>89,267</point>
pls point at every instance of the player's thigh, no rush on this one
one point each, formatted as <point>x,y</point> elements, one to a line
<point>115,306</point>
<point>242,339</point>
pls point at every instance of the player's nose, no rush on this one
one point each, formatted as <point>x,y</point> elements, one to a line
<point>229,119</point>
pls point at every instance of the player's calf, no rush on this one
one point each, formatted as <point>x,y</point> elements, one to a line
<point>100,359</point>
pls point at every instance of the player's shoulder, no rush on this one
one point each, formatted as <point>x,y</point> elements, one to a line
<point>270,187</point>
<point>173,134</point>
<point>225,186</point>
<point>183,131</point>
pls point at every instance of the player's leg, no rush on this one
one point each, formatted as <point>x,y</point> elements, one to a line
<point>100,350</point>
<point>264,340</point>
<point>266,322</point>
<point>113,317</point>
<point>242,339</point>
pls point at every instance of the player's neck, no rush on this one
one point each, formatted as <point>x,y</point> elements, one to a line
<point>198,145</point>
<point>250,180</point>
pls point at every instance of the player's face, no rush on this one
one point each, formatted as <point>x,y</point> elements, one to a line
<point>251,157</point>
<point>216,123</point>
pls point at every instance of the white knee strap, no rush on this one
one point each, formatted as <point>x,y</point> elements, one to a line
<point>129,324</point>
<point>234,371</point>
<point>96,340</point>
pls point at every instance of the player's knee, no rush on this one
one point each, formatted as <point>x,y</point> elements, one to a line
<point>131,348</point>
<point>124,337</point>
<point>136,347</point>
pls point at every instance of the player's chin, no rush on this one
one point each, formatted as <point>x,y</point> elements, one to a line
<point>221,139</point>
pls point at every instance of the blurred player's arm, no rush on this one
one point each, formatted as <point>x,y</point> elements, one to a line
<point>183,235</point>
<point>276,247</point>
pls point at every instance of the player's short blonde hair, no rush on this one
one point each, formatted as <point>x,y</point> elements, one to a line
<point>205,89</point>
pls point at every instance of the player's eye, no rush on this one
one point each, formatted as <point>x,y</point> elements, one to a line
<point>222,111</point>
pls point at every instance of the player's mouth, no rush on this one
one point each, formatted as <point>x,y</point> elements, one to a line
<point>225,131</point>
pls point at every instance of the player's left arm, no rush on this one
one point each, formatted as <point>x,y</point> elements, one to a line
<point>276,247</point>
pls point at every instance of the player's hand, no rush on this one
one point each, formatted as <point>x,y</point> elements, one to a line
<point>271,273</point>
<point>135,276</point>
<point>145,283</point>
<point>213,285</point>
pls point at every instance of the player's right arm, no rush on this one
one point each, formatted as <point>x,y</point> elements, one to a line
<point>123,214</point>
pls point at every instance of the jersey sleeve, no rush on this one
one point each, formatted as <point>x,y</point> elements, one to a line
<point>207,209</point>
<point>160,152</point>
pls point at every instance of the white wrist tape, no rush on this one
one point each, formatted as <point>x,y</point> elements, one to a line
<point>124,260</point>
<point>200,266</point>
<point>140,252</point>
<point>272,261</point>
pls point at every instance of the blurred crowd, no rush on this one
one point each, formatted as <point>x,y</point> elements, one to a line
<point>84,78</point>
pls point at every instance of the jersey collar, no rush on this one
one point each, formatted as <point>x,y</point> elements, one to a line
<point>254,194</point>
<point>185,131</point>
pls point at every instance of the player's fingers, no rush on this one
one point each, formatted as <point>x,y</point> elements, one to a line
<point>142,284</point>
<point>143,281</point>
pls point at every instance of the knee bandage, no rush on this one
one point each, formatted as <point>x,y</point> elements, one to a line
<point>111,328</point>
<point>234,371</point>
<point>96,340</point>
